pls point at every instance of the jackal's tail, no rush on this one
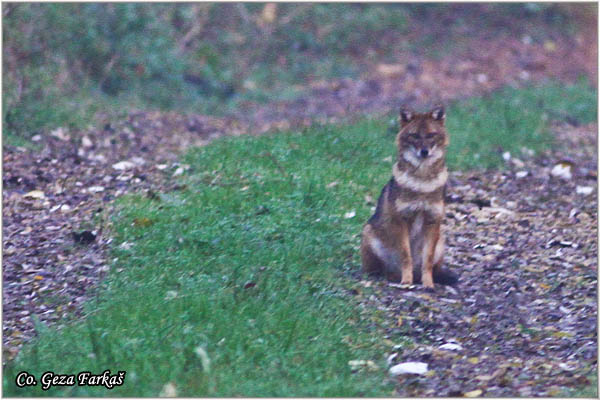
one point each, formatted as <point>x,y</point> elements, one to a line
<point>444,277</point>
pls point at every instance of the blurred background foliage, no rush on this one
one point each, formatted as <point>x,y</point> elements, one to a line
<point>65,62</point>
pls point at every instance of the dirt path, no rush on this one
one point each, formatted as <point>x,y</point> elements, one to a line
<point>526,305</point>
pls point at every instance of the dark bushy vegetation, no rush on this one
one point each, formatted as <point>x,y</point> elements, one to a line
<point>64,62</point>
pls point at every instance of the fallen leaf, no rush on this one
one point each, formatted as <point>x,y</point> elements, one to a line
<point>474,393</point>
<point>171,294</point>
<point>550,46</point>
<point>269,13</point>
<point>143,222</point>
<point>356,365</point>
<point>60,133</point>
<point>168,390</point>
<point>517,163</point>
<point>126,245</point>
<point>203,355</point>
<point>391,358</point>
<point>391,70</point>
<point>35,194</point>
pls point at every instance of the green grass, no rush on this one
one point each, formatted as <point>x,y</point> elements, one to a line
<point>587,391</point>
<point>252,261</point>
<point>290,335</point>
<point>510,119</point>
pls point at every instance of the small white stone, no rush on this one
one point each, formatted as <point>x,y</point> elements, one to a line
<point>562,171</point>
<point>350,214</point>
<point>451,347</point>
<point>178,171</point>
<point>123,165</point>
<point>96,189</point>
<point>506,156</point>
<point>521,174</point>
<point>584,190</point>
<point>86,142</point>
<point>416,368</point>
<point>566,367</point>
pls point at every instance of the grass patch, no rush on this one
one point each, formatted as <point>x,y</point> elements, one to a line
<point>587,391</point>
<point>511,119</point>
<point>251,264</point>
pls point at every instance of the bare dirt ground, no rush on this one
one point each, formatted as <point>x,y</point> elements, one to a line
<point>525,245</point>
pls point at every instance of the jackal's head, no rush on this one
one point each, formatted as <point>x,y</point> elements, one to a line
<point>422,139</point>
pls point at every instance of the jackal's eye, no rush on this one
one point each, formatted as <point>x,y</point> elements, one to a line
<point>431,135</point>
<point>414,136</point>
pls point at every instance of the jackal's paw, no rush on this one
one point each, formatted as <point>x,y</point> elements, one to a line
<point>428,284</point>
<point>407,281</point>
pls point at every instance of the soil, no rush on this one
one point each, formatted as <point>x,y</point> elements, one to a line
<point>525,245</point>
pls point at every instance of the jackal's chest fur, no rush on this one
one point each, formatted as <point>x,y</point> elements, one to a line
<point>419,194</point>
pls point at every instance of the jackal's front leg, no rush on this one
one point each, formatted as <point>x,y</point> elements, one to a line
<point>403,247</point>
<point>432,236</point>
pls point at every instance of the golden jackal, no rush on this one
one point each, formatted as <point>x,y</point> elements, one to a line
<point>403,239</point>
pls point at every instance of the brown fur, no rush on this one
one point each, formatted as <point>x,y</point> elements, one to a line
<point>403,240</point>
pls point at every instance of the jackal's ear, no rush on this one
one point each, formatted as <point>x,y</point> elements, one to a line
<point>438,113</point>
<point>406,115</point>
